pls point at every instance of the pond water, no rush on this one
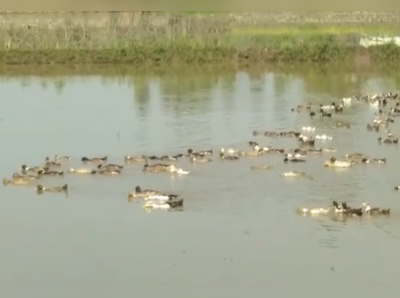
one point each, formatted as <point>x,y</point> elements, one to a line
<point>238,227</point>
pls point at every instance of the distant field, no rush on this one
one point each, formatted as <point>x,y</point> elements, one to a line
<point>193,37</point>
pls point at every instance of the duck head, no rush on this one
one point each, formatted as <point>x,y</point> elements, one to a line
<point>138,189</point>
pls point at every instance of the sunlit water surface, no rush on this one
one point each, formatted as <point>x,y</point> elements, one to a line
<point>238,226</point>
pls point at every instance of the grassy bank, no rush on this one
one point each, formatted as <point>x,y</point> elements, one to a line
<point>173,38</point>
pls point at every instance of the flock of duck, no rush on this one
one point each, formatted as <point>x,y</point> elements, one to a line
<point>388,105</point>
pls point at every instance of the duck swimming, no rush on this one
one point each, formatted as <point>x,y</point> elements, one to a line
<point>162,197</point>
<point>56,189</point>
<point>308,128</point>
<point>313,211</point>
<point>347,210</point>
<point>82,171</point>
<point>334,163</point>
<point>26,176</point>
<point>228,157</point>
<point>296,174</point>
<point>200,152</point>
<point>258,152</point>
<point>375,210</point>
<point>262,167</point>
<point>303,140</point>
<point>139,158</point>
<point>94,159</point>
<point>158,168</point>
<point>324,137</point>
<point>62,158</point>
<point>200,159</point>
<point>108,171</point>
<point>295,156</point>
<point>142,193</point>
<point>110,167</point>
<point>373,127</point>
<point>163,205</point>
<point>295,160</point>
<point>53,173</point>
<point>36,170</point>
<point>229,151</point>
<point>49,163</point>
<point>374,160</point>
<point>388,140</point>
<point>15,181</point>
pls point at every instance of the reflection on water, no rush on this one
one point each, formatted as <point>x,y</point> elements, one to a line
<point>238,226</point>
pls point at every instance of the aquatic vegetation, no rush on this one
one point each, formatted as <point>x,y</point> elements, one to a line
<point>210,38</point>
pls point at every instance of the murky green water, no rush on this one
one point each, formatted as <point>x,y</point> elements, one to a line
<point>238,227</point>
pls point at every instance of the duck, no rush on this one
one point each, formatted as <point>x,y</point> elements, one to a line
<point>253,144</point>
<point>15,181</point>
<point>303,140</point>
<point>26,176</point>
<point>346,101</point>
<point>324,137</point>
<point>288,160</point>
<point>325,114</point>
<point>164,168</point>
<point>334,163</point>
<point>347,210</point>
<point>295,155</point>
<point>375,210</point>
<point>313,211</point>
<point>374,160</point>
<point>142,192</point>
<point>327,107</point>
<point>388,140</point>
<point>200,159</point>
<point>61,158</point>
<point>94,159</point>
<point>328,150</point>
<point>337,208</point>
<point>258,152</point>
<point>50,163</point>
<point>108,171</point>
<point>131,158</point>
<point>291,134</point>
<point>82,171</point>
<point>162,197</point>
<point>229,151</point>
<point>296,174</point>
<point>158,168</point>
<point>373,127</point>
<point>200,152</point>
<point>53,173</point>
<point>36,170</point>
<point>262,167</point>
<point>228,157</point>
<point>167,158</point>
<point>356,157</point>
<point>308,128</point>
<point>110,167</point>
<point>56,189</point>
<point>163,205</point>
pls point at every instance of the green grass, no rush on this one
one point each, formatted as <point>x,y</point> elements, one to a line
<point>185,37</point>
